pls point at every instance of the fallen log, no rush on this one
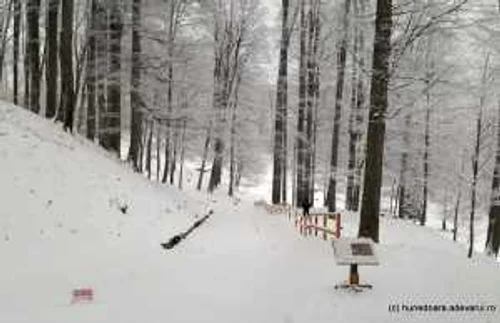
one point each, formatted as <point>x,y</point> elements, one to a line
<point>183,235</point>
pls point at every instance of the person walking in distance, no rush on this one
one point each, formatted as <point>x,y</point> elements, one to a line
<point>306,205</point>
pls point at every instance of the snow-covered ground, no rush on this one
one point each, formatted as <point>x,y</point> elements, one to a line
<point>61,228</point>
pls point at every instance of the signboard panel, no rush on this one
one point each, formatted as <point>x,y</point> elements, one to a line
<point>350,251</point>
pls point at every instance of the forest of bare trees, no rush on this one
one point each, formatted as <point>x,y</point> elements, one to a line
<point>385,107</point>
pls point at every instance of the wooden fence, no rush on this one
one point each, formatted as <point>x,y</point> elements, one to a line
<point>329,225</point>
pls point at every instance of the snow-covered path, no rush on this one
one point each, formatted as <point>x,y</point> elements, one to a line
<point>246,266</point>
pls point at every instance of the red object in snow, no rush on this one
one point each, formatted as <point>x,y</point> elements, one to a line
<point>82,295</point>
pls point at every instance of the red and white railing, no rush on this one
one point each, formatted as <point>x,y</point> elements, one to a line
<point>328,224</point>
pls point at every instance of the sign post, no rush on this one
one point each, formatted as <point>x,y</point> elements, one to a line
<point>354,252</point>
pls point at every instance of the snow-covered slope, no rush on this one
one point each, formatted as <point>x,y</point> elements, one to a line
<point>61,228</point>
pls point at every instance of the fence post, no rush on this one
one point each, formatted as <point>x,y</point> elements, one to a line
<point>325,226</point>
<point>316,225</point>
<point>308,225</point>
<point>338,226</point>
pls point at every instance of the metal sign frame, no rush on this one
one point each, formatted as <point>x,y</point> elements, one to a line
<point>355,251</point>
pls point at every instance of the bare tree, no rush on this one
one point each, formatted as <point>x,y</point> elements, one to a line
<point>4,25</point>
<point>206,147</point>
<point>475,158</point>
<point>232,140</point>
<point>493,231</point>
<point>110,132</point>
<point>403,189</point>
<point>357,109</point>
<point>231,24</point>
<point>341,62</point>
<point>429,75</point>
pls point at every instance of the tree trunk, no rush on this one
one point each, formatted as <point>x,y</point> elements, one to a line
<point>357,110</point>
<point>360,110</point>
<point>232,148</point>
<point>32,19</point>
<point>79,94</point>
<point>4,32</point>
<point>183,150</point>
<point>15,50</point>
<point>352,126</point>
<point>232,159</point>
<point>309,103</point>
<point>396,202</point>
<point>392,198</point>
<point>168,143</point>
<point>175,144</point>
<point>279,153</point>
<point>316,121</point>
<point>142,146</point>
<point>170,81</point>
<point>403,207</point>
<point>158,149</point>
<point>52,69</point>
<point>91,72</point>
<point>216,174</point>
<point>475,160</point>
<point>423,217</point>
<point>66,60</point>
<point>429,74</point>
<point>313,38</point>
<point>301,119</point>
<point>294,176</point>
<point>101,66</point>
<point>455,217</point>
<point>149,147</point>
<point>27,56</point>
<point>111,120</point>
<point>475,171</point>
<point>341,62</point>
<point>205,157</point>
<point>445,211</point>
<point>369,223</point>
<point>135,88</point>
<point>493,232</point>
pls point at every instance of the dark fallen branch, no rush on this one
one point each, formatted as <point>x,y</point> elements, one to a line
<point>181,236</point>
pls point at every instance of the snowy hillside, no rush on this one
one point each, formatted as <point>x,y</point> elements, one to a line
<point>72,217</point>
